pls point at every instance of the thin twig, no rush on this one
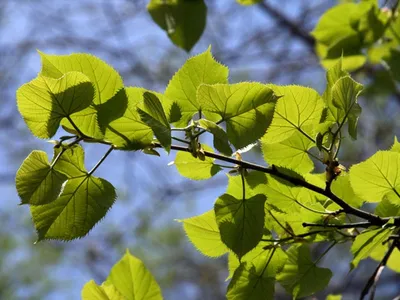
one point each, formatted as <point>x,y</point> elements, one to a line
<point>101,160</point>
<point>339,226</point>
<point>373,280</point>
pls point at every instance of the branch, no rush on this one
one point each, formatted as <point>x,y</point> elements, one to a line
<point>371,218</point>
<point>373,280</point>
<point>339,226</point>
<point>292,26</point>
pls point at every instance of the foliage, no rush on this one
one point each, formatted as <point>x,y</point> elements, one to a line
<point>270,215</point>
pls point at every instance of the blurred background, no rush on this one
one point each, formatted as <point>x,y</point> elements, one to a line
<point>268,42</point>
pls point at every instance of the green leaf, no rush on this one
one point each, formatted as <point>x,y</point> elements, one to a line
<point>367,241</point>
<point>71,161</point>
<point>106,80</point>
<point>396,145</point>
<point>197,70</point>
<point>389,206</point>
<point>129,132</point>
<point>83,202</point>
<point>44,101</point>
<point>240,221</point>
<point>344,94</point>
<point>258,257</point>
<point>300,276</point>
<point>341,187</point>
<point>92,291</point>
<point>195,168</point>
<point>377,176</point>
<point>204,234</point>
<point>246,284</point>
<point>132,279</point>
<point>394,259</point>
<point>254,182</point>
<point>153,115</point>
<point>304,113</point>
<point>245,107</point>
<point>335,23</point>
<point>248,2</point>
<point>36,181</point>
<point>291,153</point>
<point>184,21</point>
<point>333,297</point>
<point>221,142</point>
<point>393,61</point>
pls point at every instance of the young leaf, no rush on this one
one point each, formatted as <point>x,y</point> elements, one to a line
<point>199,69</point>
<point>106,81</point>
<point>369,240</point>
<point>83,202</point>
<point>245,107</point>
<point>221,142</point>
<point>341,187</point>
<point>183,21</point>
<point>246,283</point>
<point>389,206</point>
<point>45,101</point>
<point>290,153</point>
<point>153,115</point>
<point>240,221</point>
<point>344,94</point>
<point>195,168</point>
<point>396,145</point>
<point>132,279</point>
<point>248,2</point>
<point>254,278</point>
<point>394,259</point>
<point>258,257</point>
<point>92,291</point>
<point>377,176</point>
<point>71,162</point>
<point>129,132</point>
<point>204,234</point>
<point>298,110</point>
<point>36,181</point>
<point>300,275</point>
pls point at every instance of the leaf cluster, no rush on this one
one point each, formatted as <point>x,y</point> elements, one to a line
<point>269,215</point>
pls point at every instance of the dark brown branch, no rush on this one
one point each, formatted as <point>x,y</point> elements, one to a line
<point>292,26</point>
<point>372,219</point>
<point>339,226</point>
<point>373,280</point>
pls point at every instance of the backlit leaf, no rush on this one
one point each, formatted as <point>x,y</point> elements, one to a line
<point>240,221</point>
<point>377,176</point>
<point>300,275</point>
<point>290,153</point>
<point>299,110</point>
<point>36,181</point>
<point>221,142</point>
<point>195,168</point>
<point>245,107</point>
<point>197,70</point>
<point>132,279</point>
<point>183,21</point>
<point>45,101</point>
<point>204,234</point>
<point>153,115</point>
<point>92,291</point>
<point>129,132</point>
<point>83,202</point>
<point>344,94</point>
<point>368,241</point>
